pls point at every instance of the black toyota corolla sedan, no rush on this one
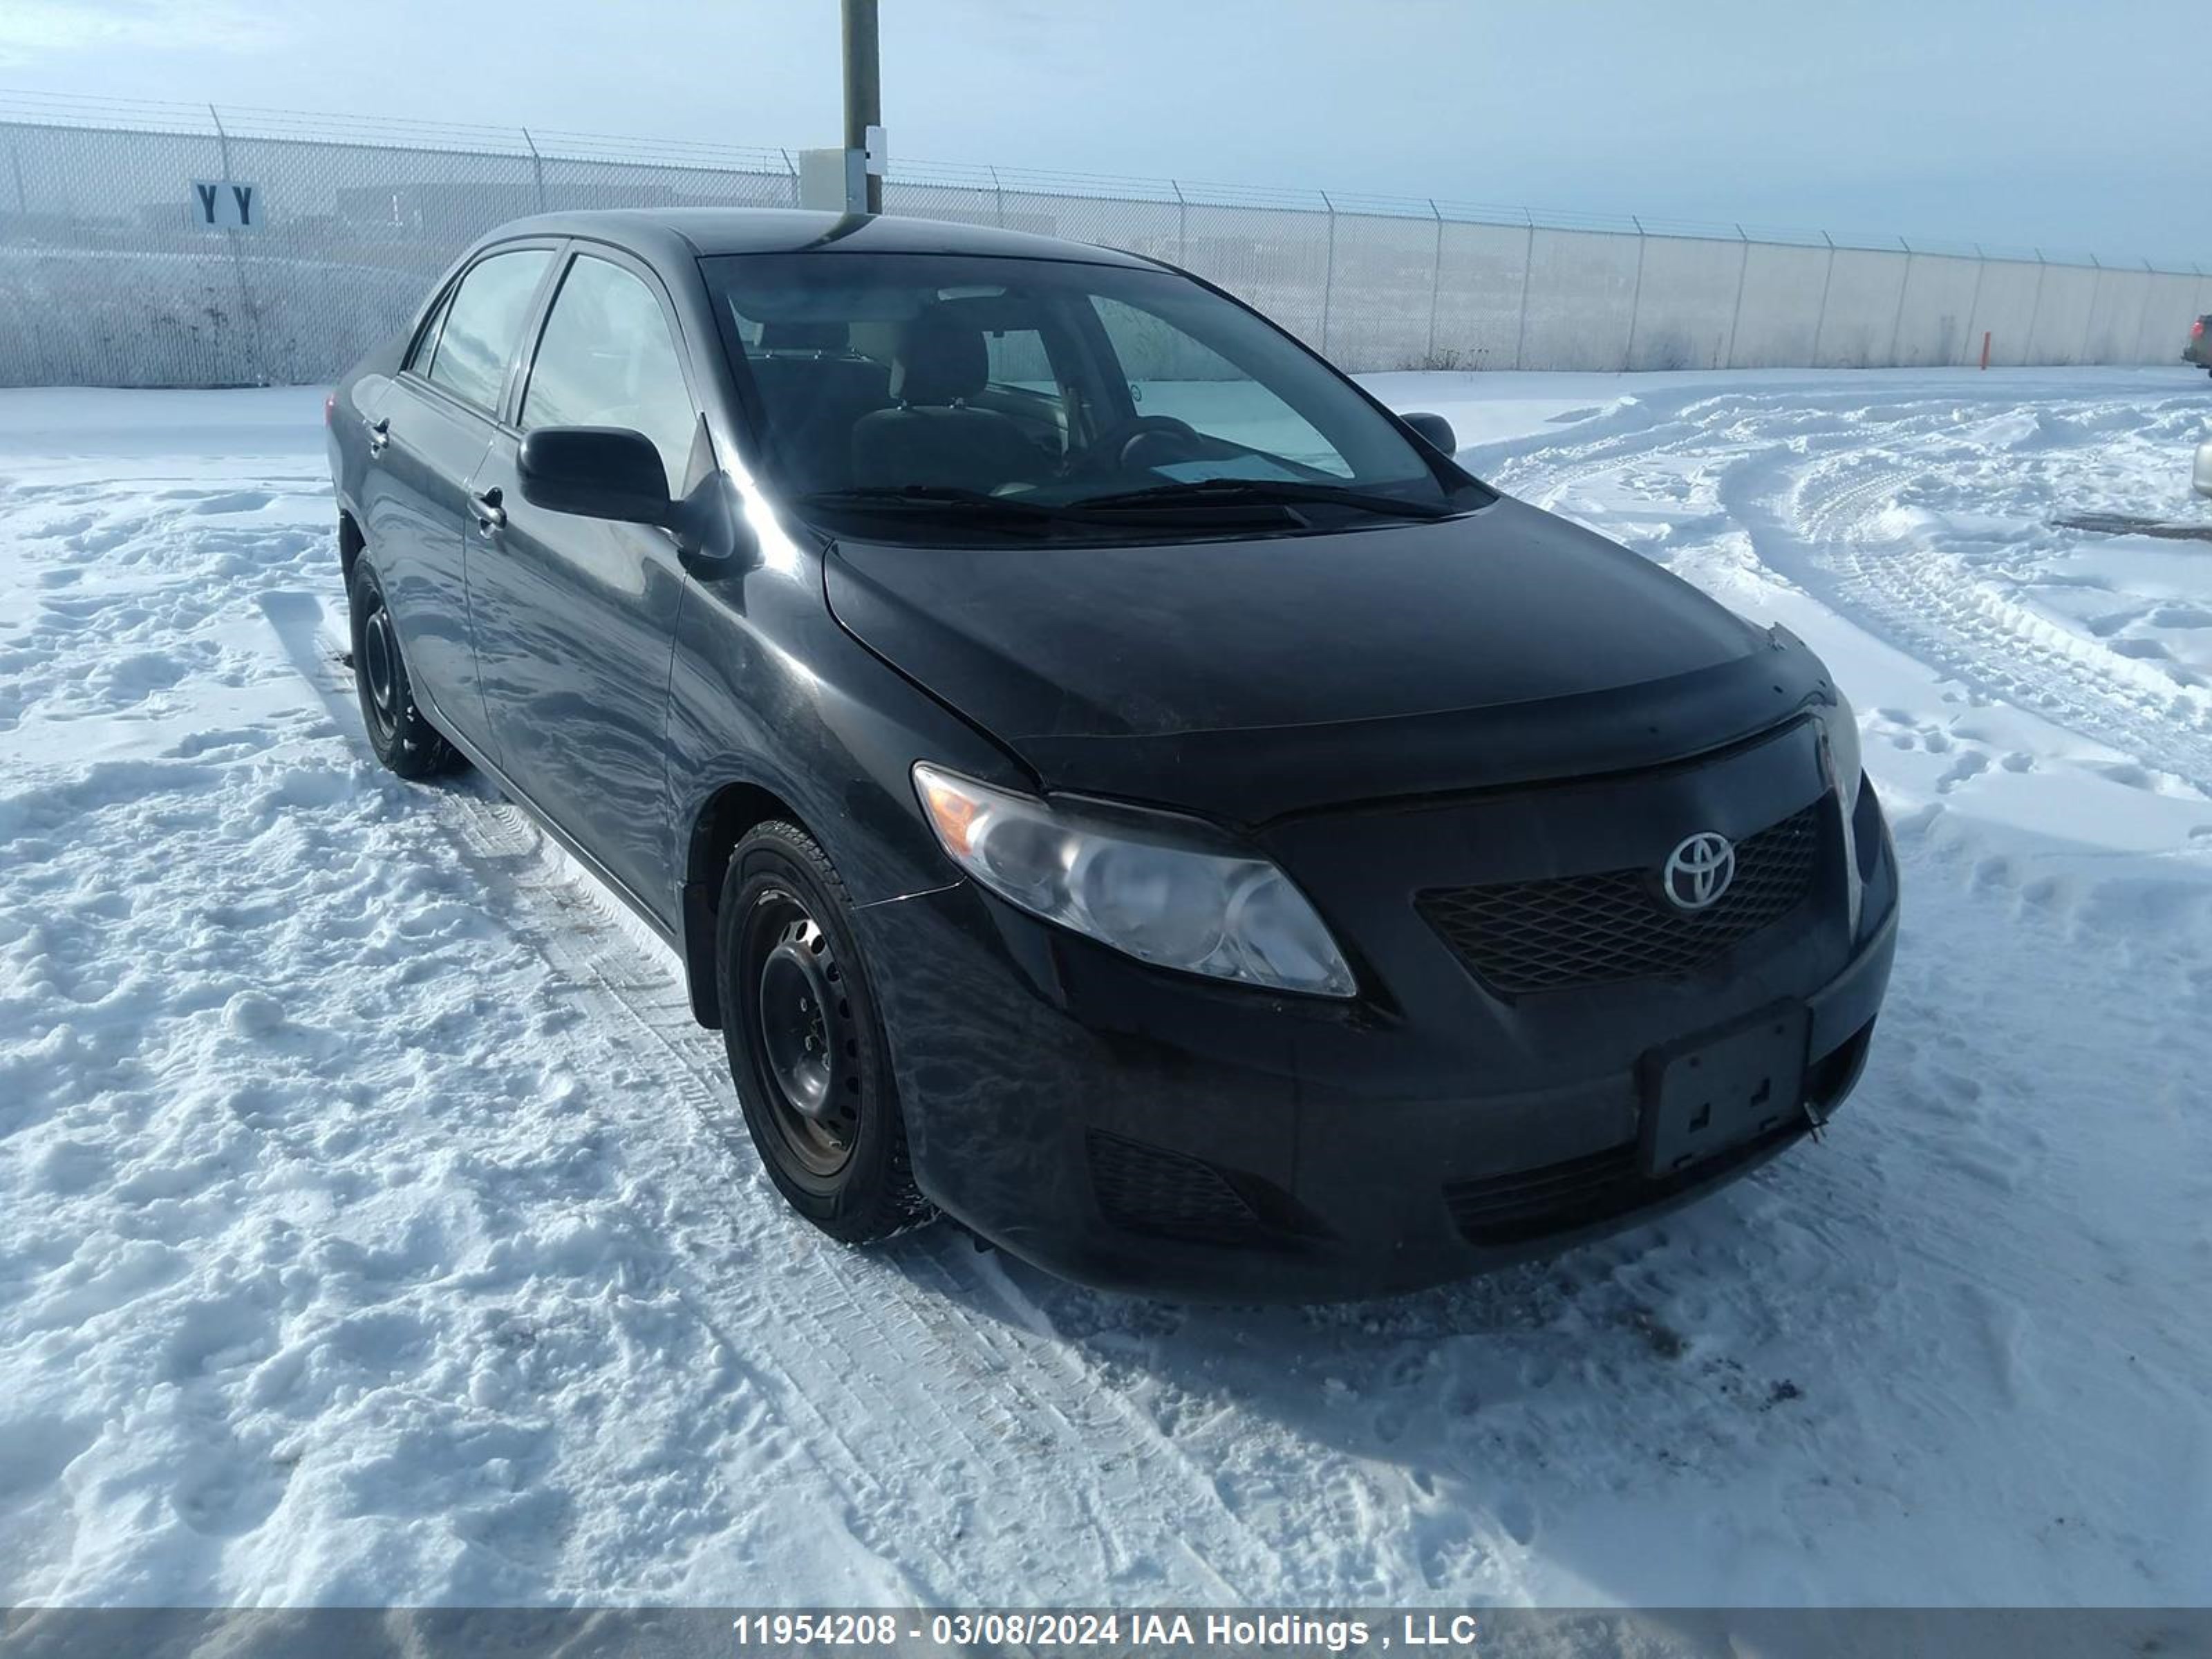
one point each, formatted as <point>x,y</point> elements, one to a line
<point>1110,779</point>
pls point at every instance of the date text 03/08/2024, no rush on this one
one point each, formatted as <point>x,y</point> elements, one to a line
<point>1239,1632</point>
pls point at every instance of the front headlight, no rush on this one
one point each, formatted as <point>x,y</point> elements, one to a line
<point>1127,883</point>
<point>1842,725</point>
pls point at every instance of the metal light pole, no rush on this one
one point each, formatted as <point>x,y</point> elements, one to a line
<point>863,91</point>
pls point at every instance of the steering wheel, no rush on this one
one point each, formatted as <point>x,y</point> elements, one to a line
<point>1117,447</point>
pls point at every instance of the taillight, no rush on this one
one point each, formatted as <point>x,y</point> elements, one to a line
<point>2196,329</point>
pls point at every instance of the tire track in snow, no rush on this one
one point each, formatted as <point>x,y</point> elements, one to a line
<point>1901,589</point>
<point>1813,511</point>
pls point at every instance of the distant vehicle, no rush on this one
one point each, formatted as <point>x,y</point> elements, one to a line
<point>2199,349</point>
<point>1107,777</point>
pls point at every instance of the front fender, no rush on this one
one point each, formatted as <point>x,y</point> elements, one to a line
<point>770,697</point>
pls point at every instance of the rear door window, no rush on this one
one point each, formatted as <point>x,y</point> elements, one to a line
<point>607,358</point>
<point>484,325</point>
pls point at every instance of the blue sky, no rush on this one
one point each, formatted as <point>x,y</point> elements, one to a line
<point>2024,124</point>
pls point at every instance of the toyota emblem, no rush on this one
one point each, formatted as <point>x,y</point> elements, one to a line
<point>1699,871</point>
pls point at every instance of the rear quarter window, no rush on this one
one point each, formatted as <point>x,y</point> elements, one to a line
<point>426,343</point>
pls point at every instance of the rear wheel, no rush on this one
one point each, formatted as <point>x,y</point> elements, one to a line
<point>404,740</point>
<point>806,1046</point>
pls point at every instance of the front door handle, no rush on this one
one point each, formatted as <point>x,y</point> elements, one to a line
<point>490,515</point>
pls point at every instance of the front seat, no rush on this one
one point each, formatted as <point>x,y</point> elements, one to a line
<point>933,438</point>
<point>814,390</point>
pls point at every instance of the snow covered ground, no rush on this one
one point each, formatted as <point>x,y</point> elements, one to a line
<point>374,1226</point>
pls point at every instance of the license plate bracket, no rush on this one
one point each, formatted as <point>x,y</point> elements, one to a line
<point>1718,1090</point>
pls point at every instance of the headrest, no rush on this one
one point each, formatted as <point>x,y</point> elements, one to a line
<point>802,335</point>
<point>939,359</point>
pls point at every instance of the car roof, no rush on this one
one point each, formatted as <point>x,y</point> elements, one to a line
<point>675,232</point>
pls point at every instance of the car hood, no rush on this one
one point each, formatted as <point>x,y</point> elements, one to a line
<point>1249,677</point>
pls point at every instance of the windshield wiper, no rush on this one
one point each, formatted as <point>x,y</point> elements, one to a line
<point>1238,501</point>
<point>1262,492</point>
<point>937,498</point>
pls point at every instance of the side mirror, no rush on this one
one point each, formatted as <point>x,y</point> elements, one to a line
<point>1434,431</point>
<point>596,471</point>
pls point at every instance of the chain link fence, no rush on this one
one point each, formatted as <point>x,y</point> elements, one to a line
<point>111,275</point>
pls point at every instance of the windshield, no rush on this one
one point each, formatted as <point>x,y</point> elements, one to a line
<point>1051,397</point>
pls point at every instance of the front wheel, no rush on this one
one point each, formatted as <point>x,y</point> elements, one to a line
<point>404,740</point>
<point>806,1046</point>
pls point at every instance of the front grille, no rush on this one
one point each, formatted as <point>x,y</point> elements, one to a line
<point>1584,1192</point>
<point>1572,931</point>
<point>1148,1189</point>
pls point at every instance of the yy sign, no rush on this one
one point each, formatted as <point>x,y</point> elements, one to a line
<point>220,205</point>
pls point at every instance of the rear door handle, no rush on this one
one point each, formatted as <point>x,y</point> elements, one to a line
<point>379,433</point>
<point>490,515</point>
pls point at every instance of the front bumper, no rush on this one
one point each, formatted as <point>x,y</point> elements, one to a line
<point>1147,1132</point>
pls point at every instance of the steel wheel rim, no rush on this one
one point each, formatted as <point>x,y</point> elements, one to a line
<point>805,1048</point>
<point>380,669</point>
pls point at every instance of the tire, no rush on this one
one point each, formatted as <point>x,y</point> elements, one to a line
<point>402,738</point>
<point>806,1045</point>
